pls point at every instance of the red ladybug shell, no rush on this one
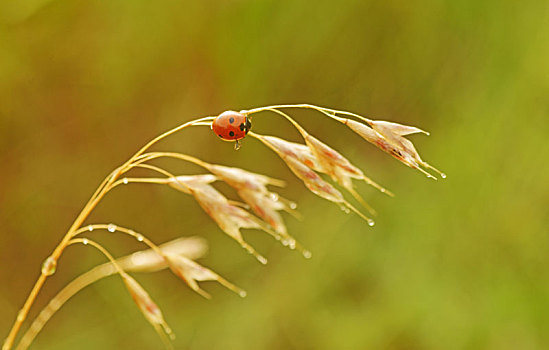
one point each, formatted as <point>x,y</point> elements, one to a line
<point>231,126</point>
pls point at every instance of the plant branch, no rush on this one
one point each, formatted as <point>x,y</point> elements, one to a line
<point>101,191</point>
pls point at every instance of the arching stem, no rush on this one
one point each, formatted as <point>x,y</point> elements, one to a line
<point>101,191</point>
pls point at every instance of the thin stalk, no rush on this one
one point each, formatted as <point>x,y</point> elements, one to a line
<point>61,298</point>
<point>101,191</point>
<point>87,241</point>
<point>332,113</point>
<point>115,228</point>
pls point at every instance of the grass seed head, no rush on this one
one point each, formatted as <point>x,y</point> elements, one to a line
<point>148,307</point>
<point>339,168</point>
<point>394,144</point>
<point>313,181</point>
<point>310,178</point>
<point>295,150</point>
<point>266,206</point>
<point>150,261</point>
<point>183,183</point>
<point>227,216</point>
<point>242,179</point>
<point>192,273</point>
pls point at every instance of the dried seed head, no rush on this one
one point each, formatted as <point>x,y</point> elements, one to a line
<point>393,131</point>
<point>266,206</point>
<point>147,306</point>
<point>182,183</point>
<point>228,217</point>
<point>339,168</point>
<point>295,150</point>
<point>310,178</point>
<point>313,181</point>
<point>389,137</point>
<point>192,273</point>
<point>149,260</point>
<point>252,188</point>
<point>242,179</point>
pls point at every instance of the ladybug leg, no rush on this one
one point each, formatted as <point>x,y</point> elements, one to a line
<point>237,145</point>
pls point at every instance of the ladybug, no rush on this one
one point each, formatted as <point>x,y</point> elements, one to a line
<point>231,125</point>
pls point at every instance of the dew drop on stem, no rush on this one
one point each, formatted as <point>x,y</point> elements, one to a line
<point>21,316</point>
<point>111,228</point>
<point>292,244</point>
<point>49,266</point>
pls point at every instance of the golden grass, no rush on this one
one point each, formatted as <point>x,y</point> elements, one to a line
<point>307,161</point>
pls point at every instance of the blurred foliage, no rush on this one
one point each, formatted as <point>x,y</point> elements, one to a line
<point>455,264</point>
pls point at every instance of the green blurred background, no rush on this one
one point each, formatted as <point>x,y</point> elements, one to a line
<point>455,264</point>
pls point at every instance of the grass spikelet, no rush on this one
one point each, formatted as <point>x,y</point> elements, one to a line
<point>252,188</point>
<point>310,178</point>
<point>228,217</point>
<point>191,273</point>
<point>148,307</point>
<point>395,144</point>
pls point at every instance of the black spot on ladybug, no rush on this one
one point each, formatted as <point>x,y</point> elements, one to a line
<point>220,135</point>
<point>242,126</point>
<point>231,133</point>
<point>231,120</point>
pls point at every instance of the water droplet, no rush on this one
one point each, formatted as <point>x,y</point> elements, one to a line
<point>307,254</point>
<point>20,316</point>
<point>90,228</point>
<point>383,190</point>
<point>371,222</point>
<point>345,209</point>
<point>262,259</point>
<point>443,175</point>
<point>125,181</point>
<point>49,266</point>
<point>85,241</point>
<point>237,145</point>
<point>139,237</point>
<point>242,293</point>
<point>293,205</point>
<point>285,242</point>
<point>111,228</point>
<point>274,196</point>
<point>292,244</point>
